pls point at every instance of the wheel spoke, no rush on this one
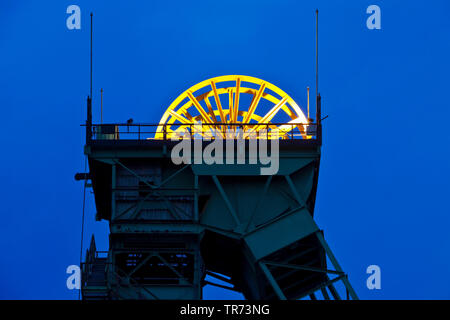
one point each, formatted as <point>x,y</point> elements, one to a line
<point>236,100</point>
<point>218,104</point>
<point>255,102</point>
<point>199,108</point>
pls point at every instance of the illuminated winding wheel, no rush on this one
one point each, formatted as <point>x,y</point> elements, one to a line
<point>234,102</point>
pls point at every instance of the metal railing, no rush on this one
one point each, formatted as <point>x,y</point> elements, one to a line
<point>126,131</point>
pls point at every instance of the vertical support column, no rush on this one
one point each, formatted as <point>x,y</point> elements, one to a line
<point>198,264</point>
<point>196,213</point>
<point>113,192</point>
<point>89,121</point>
<point>112,258</point>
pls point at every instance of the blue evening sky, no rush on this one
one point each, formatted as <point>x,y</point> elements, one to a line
<point>383,195</point>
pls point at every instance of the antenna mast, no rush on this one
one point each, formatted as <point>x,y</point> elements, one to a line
<point>101,105</point>
<point>89,101</point>
<point>91,61</point>
<point>317,55</point>
<point>318,98</point>
<point>307,94</point>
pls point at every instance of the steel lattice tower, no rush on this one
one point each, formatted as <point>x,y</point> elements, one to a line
<point>172,225</point>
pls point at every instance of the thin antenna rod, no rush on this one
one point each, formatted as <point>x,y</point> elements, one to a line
<point>317,54</point>
<point>318,98</point>
<point>91,59</point>
<point>101,105</point>
<point>307,92</point>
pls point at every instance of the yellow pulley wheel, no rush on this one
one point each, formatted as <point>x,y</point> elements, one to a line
<point>227,102</point>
